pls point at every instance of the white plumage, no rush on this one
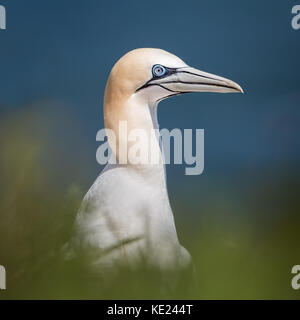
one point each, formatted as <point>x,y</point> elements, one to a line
<point>126,215</point>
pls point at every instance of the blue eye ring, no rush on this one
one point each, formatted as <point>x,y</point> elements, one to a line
<point>158,70</point>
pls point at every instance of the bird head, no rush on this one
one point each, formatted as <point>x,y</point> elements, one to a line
<point>155,74</point>
<point>139,80</point>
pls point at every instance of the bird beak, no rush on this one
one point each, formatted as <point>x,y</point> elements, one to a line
<point>187,79</point>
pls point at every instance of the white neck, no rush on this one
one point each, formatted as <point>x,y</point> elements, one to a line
<point>139,113</point>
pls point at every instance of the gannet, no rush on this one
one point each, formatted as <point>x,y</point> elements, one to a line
<point>126,215</point>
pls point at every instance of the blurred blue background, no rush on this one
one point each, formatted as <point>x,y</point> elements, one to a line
<point>63,51</point>
<point>55,57</point>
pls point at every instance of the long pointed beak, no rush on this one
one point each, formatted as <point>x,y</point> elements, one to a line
<point>189,79</point>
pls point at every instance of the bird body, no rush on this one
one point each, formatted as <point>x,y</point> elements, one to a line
<point>126,215</point>
<point>129,211</point>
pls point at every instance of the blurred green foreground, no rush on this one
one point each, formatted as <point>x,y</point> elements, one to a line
<point>244,238</point>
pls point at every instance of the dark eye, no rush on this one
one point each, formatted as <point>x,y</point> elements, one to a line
<point>158,70</point>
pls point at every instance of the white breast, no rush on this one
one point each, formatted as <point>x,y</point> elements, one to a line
<point>127,216</point>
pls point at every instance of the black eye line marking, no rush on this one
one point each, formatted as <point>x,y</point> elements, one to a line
<point>154,77</point>
<point>171,71</point>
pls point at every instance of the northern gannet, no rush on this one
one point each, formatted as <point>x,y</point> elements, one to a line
<point>126,215</point>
